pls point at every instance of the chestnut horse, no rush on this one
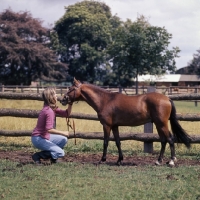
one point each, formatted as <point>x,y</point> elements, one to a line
<point>115,109</point>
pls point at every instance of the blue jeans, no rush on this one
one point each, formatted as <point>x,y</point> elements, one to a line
<point>55,144</point>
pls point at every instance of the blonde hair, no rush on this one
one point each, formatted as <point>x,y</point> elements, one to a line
<point>49,97</point>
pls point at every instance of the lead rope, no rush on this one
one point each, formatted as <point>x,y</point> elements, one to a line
<point>72,127</point>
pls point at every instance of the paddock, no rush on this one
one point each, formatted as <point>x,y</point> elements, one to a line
<point>148,137</point>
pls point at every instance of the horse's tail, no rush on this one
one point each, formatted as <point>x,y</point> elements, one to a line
<point>179,133</point>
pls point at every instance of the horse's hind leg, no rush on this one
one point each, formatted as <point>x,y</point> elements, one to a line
<point>118,143</point>
<point>162,151</point>
<point>172,148</point>
<point>170,140</point>
<point>166,136</point>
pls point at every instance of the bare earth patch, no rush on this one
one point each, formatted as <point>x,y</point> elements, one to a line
<point>89,158</point>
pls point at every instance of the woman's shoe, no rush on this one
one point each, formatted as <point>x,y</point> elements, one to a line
<point>36,158</point>
<point>41,155</point>
<point>53,161</point>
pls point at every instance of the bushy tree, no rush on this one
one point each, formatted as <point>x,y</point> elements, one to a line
<point>98,46</point>
<point>138,49</point>
<point>24,50</point>
<point>194,65</point>
<point>81,37</point>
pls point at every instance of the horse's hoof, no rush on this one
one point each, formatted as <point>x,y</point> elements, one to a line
<point>102,161</point>
<point>171,163</point>
<point>119,163</point>
<point>158,163</point>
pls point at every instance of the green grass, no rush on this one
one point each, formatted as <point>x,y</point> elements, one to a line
<point>84,181</point>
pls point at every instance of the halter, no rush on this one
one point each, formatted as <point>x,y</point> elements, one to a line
<point>67,118</point>
<point>74,89</point>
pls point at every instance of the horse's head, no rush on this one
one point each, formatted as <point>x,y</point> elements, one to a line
<point>72,94</point>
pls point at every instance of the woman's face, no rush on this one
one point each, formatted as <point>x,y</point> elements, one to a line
<point>55,97</point>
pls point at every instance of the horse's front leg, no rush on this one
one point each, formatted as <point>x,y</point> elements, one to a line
<point>118,143</point>
<point>106,130</point>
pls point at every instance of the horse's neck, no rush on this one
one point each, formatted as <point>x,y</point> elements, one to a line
<point>93,97</point>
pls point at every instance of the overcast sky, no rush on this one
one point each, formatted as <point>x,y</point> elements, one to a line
<point>181,18</point>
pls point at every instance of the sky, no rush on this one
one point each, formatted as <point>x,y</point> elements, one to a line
<point>180,17</point>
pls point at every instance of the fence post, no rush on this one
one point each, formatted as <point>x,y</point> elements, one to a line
<point>170,90</point>
<point>148,128</point>
<point>38,89</point>
<point>120,89</point>
<point>196,102</point>
<point>22,89</point>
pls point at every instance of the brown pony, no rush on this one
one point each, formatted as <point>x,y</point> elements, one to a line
<point>115,109</point>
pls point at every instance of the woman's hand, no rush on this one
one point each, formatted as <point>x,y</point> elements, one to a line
<point>66,133</point>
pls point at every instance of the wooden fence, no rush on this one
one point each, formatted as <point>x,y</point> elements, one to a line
<point>128,91</point>
<point>147,137</point>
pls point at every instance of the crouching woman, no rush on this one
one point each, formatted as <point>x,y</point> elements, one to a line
<point>44,136</point>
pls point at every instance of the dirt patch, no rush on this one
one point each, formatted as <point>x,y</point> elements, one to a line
<point>25,158</point>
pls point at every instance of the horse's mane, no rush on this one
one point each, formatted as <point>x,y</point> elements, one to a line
<point>98,88</point>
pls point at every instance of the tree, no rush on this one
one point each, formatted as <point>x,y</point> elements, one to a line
<point>139,49</point>
<point>194,65</point>
<point>24,50</point>
<point>81,37</point>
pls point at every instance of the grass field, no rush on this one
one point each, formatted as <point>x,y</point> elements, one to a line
<point>87,181</point>
<point>66,181</point>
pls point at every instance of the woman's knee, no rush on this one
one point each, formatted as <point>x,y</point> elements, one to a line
<point>63,142</point>
<point>57,153</point>
<point>59,140</point>
<point>60,153</point>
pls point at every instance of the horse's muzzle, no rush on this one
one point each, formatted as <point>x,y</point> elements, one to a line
<point>64,100</point>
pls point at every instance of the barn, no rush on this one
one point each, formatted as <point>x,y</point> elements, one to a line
<point>169,80</point>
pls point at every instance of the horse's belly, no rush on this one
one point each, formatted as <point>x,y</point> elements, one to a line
<point>132,122</point>
<point>130,117</point>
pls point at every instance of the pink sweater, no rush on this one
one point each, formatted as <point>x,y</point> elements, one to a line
<point>46,121</point>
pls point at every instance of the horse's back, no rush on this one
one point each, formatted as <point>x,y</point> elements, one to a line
<point>153,99</point>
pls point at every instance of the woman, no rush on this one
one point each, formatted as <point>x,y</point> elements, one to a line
<point>45,137</point>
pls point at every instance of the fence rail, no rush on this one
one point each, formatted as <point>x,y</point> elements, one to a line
<point>27,113</point>
<point>128,90</point>
<point>38,96</point>
<point>142,137</point>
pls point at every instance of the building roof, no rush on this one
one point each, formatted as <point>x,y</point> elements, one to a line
<point>160,78</point>
<point>170,78</point>
<point>190,78</point>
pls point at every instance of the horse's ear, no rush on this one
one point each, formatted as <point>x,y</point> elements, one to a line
<point>76,82</point>
<point>75,79</point>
